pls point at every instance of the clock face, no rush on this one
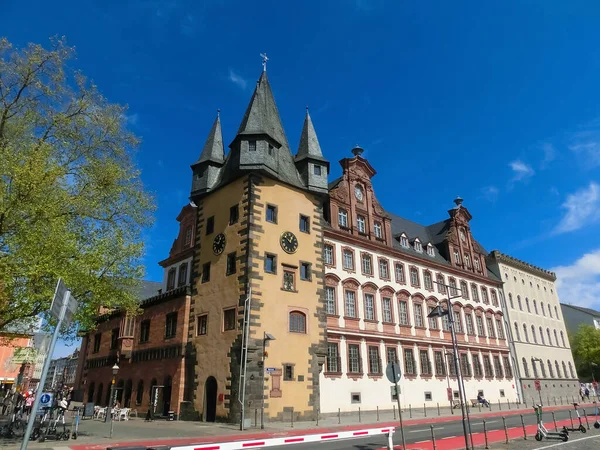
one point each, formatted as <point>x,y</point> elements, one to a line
<point>219,244</point>
<point>289,242</point>
<point>358,192</point>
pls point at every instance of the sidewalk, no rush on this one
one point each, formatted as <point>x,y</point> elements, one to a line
<point>94,434</point>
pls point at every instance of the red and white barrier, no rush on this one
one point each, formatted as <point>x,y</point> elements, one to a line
<point>274,442</point>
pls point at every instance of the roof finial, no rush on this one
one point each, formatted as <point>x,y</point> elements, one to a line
<point>458,200</point>
<point>219,112</point>
<point>264,61</point>
<point>306,109</point>
<point>357,151</point>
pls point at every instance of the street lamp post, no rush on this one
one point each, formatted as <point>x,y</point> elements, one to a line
<point>439,312</point>
<point>541,361</point>
<point>266,337</point>
<point>592,365</point>
<point>450,394</point>
<point>111,403</point>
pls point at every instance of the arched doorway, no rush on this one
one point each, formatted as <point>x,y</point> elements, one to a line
<point>119,393</point>
<point>127,395</point>
<point>167,396</point>
<point>152,394</point>
<point>99,395</point>
<point>140,393</point>
<point>90,396</point>
<point>210,399</point>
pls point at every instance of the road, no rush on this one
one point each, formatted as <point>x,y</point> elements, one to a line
<point>420,433</point>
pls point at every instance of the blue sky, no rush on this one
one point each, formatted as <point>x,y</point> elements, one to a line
<point>498,102</point>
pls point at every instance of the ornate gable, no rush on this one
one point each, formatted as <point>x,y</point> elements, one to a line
<point>184,243</point>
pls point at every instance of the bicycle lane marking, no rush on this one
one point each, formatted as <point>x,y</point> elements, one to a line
<point>568,442</point>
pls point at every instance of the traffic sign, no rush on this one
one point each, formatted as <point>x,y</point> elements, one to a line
<point>538,386</point>
<point>270,369</point>
<point>63,306</point>
<point>46,400</point>
<point>392,372</point>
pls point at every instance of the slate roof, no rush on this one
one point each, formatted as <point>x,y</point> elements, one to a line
<point>589,311</point>
<point>213,147</point>
<point>309,143</point>
<point>147,289</point>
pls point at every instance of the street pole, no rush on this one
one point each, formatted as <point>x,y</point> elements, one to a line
<point>450,394</point>
<point>262,393</point>
<point>244,358</point>
<point>399,407</point>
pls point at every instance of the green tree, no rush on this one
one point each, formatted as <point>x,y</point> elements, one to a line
<point>585,345</point>
<point>72,204</point>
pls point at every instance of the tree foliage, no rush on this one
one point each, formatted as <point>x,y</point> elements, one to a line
<point>72,204</point>
<point>585,345</point>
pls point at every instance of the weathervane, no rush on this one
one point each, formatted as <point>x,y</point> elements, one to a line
<point>264,62</point>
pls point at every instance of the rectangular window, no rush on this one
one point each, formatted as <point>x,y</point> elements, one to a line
<point>374,363</point>
<point>465,367</point>
<point>400,273</point>
<point>205,272</point>
<point>114,339</point>
<point>288,372</point>
<point>270,263</point>
<point>440,284</point>
<point>367,267</point>
<point>202,325</point>
<point>333,361</point>
<point>350,303</point>
<point>414,277</point>
<point>304,224</point>
<point>428,281</point>
<point>229,319</point>
<point>387,309</point>
<point>231,263</point>
<point>182,274</point>
<point>490,327</point>
<point>234,214</point>
<point>353,358</point>
<point>451,366</point>
<point>428,396</point>
<point>484,296</point>
<point>498,367</point>
<point>507,368</point>
<point>384,271</point>
<point>403,312</point>
<point>445,322</point>
<point>97,339</point>
<point>361,224</point>
<point>378,230</point>
<point>330,300</point>
<point>317,170</point>
<point>476,366</point>
<point>252,146</point>
<point>418,314</point>
<point>452,283</point>
<point>440,367</point>
<point>328,254</point>
<point>433,322</point>
<point>210,225</point>
<point>343,218</point>
<point>480,330</point>
<point>501,329</point>
<point>271,214</point>
<point>188,236</point>
<point>270,150</point>
<point>425,363</point>
<point>489,371</point>
<point>305,271</point>
<point>475,292</point>
<point>457,322</point>
<point>469,322</point>
<point>369,307</point>
<point>392,355</point>
<point>348,260</point>
<point>170,325</point>
<point>355,397</point>
<point>409,362</point>
<point>171,279</point>
<point>144,331</point>
<point>494,298</point>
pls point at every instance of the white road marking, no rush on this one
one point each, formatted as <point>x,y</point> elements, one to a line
<point>569,442</point>
<point>420,442</point>
<point>449,437</point>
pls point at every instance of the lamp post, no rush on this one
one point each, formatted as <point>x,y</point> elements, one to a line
<point>450,393</point>
<point>592,365</point>
<point>541,361</point>
<point>266,337</point>
<point>111,402</point>
<point>438,311</point>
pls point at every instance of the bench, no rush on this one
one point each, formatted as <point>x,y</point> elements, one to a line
<point>455,404</point>
<point>474,402</point>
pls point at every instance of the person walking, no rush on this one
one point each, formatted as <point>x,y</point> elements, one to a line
<point>587,393</point>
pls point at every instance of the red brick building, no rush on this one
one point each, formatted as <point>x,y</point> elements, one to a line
<point>149,348</point>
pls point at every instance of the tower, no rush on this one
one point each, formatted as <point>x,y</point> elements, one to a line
<point>207,169</point>
<point>312,166</point>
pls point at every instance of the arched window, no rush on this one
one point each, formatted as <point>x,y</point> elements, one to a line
<point>542,308</point>
<point>519,303</point>
<point>533,334</point>
<point>562,338</point>
<point>549,336</point>
<point>564,367</point>
<point>510,300</point>
<point>543,367</point>
<point>139,396</point>
<point>557,369</point>
<point>464,290</point>
<point>550,311</point>
<point>297,322</point>
<point>525,336</point>
<point>556,311</point>
<point>475,292</point>
<point>556,338</point>
<point>550,370</point>
<point>525,368</point>
<point>535,306</point>
<point>534,367</point>
<point>517,337</point>
<point>571,370</point>
<point>542,336</point>
<point>527,305</point>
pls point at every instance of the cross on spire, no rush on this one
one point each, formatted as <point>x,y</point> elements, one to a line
<point>264,61</point>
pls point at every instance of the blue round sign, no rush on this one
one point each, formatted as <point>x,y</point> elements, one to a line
<point>45,398</point>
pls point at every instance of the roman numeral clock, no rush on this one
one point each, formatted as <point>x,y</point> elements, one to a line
<point>289,242</point>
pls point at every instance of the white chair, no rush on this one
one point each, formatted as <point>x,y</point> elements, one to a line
<point>123,414</point>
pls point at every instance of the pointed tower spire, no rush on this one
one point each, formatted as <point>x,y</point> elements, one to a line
<point>313,168</point>
<point>309,143</point>
<point>213,147</point>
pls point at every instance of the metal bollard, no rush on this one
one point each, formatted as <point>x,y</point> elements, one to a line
<point>508,403</point>
<point>318,411</point>
<point>499,406</point>
<point>505,429</point>
<point>394,407</point>
<point>561,400</point>
<point>571,417</point>
<point>292,417</point>
<point>255,417</point>
<point>432,437</point>
<point>479,406</point>
<point>525,402</point>
<point>485,435</point>
<point>424,410</point>
<point>554,420</point>
<point>339,416</point>
<point>410,410</point>
<point>438,406</point>
<point>377,413</point>
<point>554,400</point>
<point>586,419</point>
<point>359,420</point>
<point>523,425</point>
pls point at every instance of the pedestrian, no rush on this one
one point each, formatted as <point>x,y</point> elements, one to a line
<point>29,404</point>
<point>582,393</point>
<point>6,402</point>
<point>587,393</point>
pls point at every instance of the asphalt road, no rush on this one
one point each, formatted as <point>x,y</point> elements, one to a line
<point>419,433</point>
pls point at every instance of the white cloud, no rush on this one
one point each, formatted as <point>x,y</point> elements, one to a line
<point>579,283</point>
<point>582,208</point>
<point>549,154</point>
<point>237,80</point>
<point>132,119</point>
<point>490,193</point>
<point>521,170</point>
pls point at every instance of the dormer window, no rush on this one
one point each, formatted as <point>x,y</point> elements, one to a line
<point>270,150</point>
<point>404,241</point>
<point>188,235</point>
<point>430,251</point>
<point>317,170</point>
<point>378,231</point>
<point>343,218</point>
<point>467,260</point>
<point>171,279</point>
<point>462,235</point>
<point>361,224</point>
<point>476,262</point>
<point>252,146</point>
<point>418,246</point>
<point>456,256</point>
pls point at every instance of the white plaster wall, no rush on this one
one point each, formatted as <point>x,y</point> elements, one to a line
<point>177,266</point>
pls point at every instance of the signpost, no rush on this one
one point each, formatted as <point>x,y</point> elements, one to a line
<point>450,396</point>
<point>63,308</point>
<point>393,374</point>
<point>538,387</point>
